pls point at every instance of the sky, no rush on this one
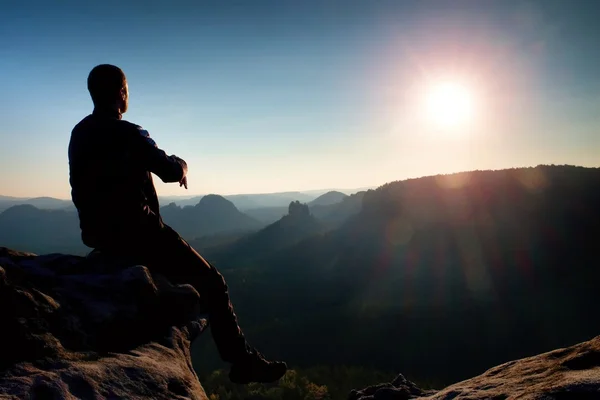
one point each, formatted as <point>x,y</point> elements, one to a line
<point>266,96</point>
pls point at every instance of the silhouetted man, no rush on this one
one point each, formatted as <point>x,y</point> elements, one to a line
<point>110,163</point>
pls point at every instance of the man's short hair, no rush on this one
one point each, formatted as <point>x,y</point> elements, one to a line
<point>104,82</point>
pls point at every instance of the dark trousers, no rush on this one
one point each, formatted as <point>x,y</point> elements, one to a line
<point>163,251</point>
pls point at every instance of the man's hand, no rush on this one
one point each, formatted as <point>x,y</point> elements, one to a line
<point>183,182</point>
<point>183,164</point>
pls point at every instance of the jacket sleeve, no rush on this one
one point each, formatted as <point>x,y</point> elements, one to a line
<point>168,168</point>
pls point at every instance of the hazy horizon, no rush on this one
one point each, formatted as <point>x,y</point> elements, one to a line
<point>276,96</point>
<point>191,194</point>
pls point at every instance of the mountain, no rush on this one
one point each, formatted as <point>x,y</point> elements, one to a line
<point>328,198</point>
<point>252,201</point>
<point>181,201</point>
<point>7,202</point>
<point>8,198</point>
<point>319,192</point>
<point>267,215</point>
<point>334,215</point>
<point>246,201</point>
<point>282,199</point>
<point>49,203</point>
<point>476,268</point>
<point>241,201</point>
<point>443,276</point>
<point>297,225</point>
<point>26,227</point>
<point>330,214</point>
<point>57,231</point>
<point>212,215</point>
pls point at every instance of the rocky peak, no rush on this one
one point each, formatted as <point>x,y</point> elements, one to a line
<point>298,210</point>
<point>93,328</point>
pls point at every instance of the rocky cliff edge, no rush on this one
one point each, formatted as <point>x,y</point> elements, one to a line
<point>571,373</point>
<point>93,328</point>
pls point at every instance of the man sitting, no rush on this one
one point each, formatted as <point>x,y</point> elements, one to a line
<point>110,165</point>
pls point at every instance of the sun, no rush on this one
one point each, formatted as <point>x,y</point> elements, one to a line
<point>449,105</point>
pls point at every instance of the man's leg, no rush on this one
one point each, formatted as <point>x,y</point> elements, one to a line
<point>170,255</point>
<point>180,263</point>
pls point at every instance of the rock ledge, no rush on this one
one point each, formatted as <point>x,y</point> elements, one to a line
<point>94,328</point>
<point>568,373</point>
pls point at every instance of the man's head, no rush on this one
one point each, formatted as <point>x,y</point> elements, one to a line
<point>108,87</point>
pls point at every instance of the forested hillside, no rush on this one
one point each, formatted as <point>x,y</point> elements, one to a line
<point>442,276</point>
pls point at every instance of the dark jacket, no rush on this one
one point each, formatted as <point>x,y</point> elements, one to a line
<point>110,165</point>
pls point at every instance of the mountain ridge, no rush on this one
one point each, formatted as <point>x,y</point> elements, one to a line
<point>476,268</point>
<point>213,214</point>
<point>329,198</point>
<point>293,227</point>
<point>504,259</point>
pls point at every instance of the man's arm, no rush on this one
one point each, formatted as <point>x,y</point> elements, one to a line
<point>167,168</point>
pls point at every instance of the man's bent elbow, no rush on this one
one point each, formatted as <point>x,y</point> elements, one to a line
<point>177,172</point>
<point>173,176</point>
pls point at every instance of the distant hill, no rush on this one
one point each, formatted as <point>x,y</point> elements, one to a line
<point>48,231</point>
<point>253,201</point>
<point>49,203</point>
<point>334,215</point>
<point>267,215</point>
<point>179,200</point>
<point>297,225</point>
<point>6,202</point>
<point>248,201</point>
<point>46,203</point>
<point>212,215</point>
<point>245,202</point>
<point>330,214</point>
<point>25,227</point>
<point>476,268</point>
<point>328,199</point>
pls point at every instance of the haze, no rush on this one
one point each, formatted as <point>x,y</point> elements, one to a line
<point>266,96</point>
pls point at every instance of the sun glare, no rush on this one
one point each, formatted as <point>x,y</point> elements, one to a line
<point>449,105</point>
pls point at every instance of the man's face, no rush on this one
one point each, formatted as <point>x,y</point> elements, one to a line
<point>124,100</point>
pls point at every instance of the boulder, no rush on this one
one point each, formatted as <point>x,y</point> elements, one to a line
<point>94,328</point>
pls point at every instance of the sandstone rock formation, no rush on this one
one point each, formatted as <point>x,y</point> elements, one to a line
<point>94,328</point>
<point>568,373</point>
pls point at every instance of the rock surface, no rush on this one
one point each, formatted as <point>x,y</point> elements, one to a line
<point>94,328</point>
<point>399,389</point>
<point>568,373</point>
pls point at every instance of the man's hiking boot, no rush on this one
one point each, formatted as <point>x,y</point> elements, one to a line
<point>255,368</point>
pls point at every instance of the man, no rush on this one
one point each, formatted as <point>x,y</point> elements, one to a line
<point>110,164</point>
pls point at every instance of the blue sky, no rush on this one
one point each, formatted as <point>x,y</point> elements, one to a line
<point>265,96</point>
